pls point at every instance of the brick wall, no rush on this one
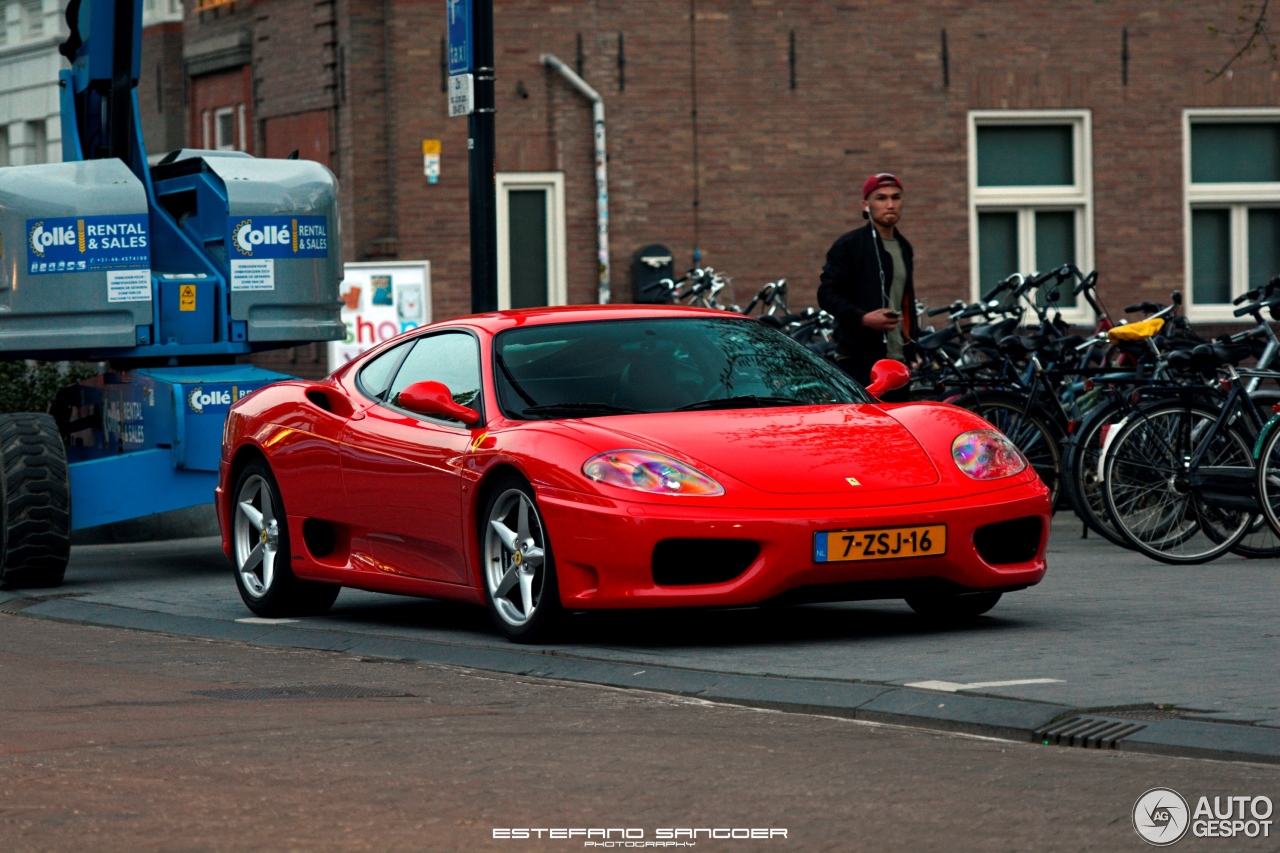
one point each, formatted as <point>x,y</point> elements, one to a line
<point>231,89</point>
<point>778,167</point>
<point>161,88</point>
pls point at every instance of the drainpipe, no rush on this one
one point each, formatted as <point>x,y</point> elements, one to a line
<point>602,176</point>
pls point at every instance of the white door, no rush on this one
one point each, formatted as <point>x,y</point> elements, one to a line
<point>531,240</point>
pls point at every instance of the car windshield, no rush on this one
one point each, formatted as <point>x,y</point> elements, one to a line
<point>659,365</point>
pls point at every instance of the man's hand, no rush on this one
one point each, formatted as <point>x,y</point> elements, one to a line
<point>881,320</point>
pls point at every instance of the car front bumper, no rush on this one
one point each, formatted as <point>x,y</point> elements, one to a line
<point>604,550</point>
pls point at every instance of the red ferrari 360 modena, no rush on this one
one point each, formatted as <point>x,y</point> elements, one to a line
<point>562,459</point>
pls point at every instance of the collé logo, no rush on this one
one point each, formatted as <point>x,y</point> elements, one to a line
<point>88,243</point>
<point>42,238</point>
<point>1160,816</point>
<point>198,399</point>
<point>279,236</point>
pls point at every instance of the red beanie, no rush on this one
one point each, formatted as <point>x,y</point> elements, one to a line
<point>884,179</point>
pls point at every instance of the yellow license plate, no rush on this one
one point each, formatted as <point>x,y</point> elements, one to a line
<point>881,543</point>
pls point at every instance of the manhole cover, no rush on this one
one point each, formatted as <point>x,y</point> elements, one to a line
<point>322,691</point>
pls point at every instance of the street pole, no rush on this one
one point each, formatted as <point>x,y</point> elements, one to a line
<point>484,209</point>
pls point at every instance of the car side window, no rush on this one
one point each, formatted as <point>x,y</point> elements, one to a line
<point>375,377</point>
<point>450,357</point>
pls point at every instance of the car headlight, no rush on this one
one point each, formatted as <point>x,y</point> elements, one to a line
<point>985,454</point>
<point>646,471</point>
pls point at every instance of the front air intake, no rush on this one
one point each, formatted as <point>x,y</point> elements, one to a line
<point>1008,542</point>
<point>691,562</point>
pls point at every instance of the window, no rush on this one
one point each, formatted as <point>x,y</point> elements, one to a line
<point>32,18</point>
<point>1030,196</point>
<point>375,377</point>
<point>38,141</point>
<point>1232,173</point>
<point>450,357</point>
<point>224,129</point>
<point>531,239</point>
<point>4,146</point>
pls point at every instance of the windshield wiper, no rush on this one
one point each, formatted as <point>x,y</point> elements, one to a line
<point>743,401</point>
<point>571,409</point>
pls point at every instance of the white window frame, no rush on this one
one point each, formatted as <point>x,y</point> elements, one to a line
<point>557,280</point>
<point>224,145</point>
<point>206,136</point>
<point>1233,197</point>
<point>1025,201</point>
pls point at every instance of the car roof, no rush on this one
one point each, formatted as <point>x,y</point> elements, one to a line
<point>497,321</point>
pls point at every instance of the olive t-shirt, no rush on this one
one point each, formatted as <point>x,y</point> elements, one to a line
<point>893,338</point>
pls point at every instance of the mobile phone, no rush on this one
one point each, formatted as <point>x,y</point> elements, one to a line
<point>892,315</point>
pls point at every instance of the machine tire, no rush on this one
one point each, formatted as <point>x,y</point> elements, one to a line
<point>954,608</point>
<point>36,502</point>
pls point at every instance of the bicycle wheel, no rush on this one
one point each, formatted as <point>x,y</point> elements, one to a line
<point>1036,435</point>
<point>1161,508</point>
<point>1269,477</point>
<point>1081,479</point>
<point>1261,541</point>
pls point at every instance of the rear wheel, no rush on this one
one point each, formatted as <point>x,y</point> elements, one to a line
<point>36,502</point>
<point>260,548</point>
<point>969,605</point>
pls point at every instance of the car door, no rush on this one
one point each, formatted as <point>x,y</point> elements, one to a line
<point>401,471</point>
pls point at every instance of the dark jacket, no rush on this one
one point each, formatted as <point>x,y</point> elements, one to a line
<point>851,287</point>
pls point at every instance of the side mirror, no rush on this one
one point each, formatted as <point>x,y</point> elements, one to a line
<point>434,398</point>
<point>887,375</point>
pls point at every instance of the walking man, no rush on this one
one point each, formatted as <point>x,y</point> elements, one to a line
<point>867,286</point>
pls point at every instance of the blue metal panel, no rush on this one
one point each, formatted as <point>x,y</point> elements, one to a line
<point>117,488</point>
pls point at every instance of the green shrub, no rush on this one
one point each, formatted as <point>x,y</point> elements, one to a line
<point>29,386</point>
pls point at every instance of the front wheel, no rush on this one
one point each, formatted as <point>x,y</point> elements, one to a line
<point>519,571</point>
<point>260,548</point>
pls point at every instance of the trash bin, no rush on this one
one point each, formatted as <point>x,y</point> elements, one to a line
<point>649,266</point>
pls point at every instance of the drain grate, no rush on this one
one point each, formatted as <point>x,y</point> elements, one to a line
<point>321,691</point>
<point>1089,732</point>
<point>15,605</point>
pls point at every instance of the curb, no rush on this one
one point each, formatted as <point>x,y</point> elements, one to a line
<point>990,716</point>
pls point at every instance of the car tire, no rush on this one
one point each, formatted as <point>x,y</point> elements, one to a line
<point>36,502</point>
<point>517,567</point>
<point>261,554</point>
<point>953,608</point>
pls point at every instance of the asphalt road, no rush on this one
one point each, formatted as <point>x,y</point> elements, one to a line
<point>1107,629</point>
<point>114,739</point>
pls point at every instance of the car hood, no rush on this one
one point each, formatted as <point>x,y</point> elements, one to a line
<point>790,451</point>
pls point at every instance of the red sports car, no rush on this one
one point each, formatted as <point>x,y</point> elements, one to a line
<point>562,459</point>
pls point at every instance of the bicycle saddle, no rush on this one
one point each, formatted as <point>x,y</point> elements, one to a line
<point>935,340</point>
<point>989,333</point>
<point>1208,357</point>
<point>1020,347</point>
